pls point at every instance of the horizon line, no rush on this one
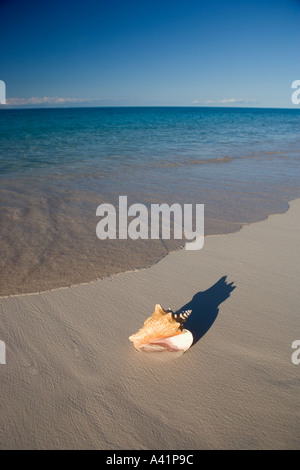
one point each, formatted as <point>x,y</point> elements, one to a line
<point>27,107</point>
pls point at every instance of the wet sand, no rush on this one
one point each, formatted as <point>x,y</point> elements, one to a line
<point>48,237</point>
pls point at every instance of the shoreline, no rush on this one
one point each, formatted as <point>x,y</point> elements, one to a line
<point>74,381</point>
<point>240,227</point>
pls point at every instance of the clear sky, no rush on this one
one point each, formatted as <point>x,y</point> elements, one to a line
<point>150,52</point>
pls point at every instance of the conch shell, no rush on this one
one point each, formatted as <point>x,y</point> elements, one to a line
<point>163,330</point>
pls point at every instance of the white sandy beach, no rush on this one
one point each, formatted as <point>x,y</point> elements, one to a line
<point>74,381</point>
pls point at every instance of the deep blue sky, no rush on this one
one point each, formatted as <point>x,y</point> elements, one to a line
<point>166,52</point>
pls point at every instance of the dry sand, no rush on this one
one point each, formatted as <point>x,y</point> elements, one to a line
<point>73,380</point>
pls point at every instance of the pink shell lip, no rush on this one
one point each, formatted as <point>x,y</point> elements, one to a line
<point>175,343</point>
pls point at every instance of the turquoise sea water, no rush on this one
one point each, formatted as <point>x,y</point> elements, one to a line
<point>58,165</point>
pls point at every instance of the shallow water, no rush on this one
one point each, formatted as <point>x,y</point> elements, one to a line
<point>58,165</point>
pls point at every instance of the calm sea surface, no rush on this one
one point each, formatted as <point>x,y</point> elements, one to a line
<point>58,165</point>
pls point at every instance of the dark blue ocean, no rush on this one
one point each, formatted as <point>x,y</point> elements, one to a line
<point>58,165</point>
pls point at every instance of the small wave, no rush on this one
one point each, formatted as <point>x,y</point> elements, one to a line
<point>203,161</point>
